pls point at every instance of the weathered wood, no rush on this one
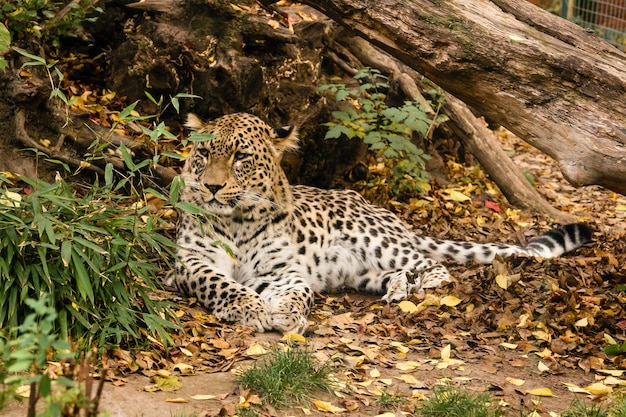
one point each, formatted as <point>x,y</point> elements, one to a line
<point>477,138</point>
<point>553,84</point>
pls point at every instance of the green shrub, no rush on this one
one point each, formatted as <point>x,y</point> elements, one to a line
<point>387,130</point>
<point>43,19</point>
<point>94,254</point>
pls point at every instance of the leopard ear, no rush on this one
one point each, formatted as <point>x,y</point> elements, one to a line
<point>286,139</point>
<point>194,122</point>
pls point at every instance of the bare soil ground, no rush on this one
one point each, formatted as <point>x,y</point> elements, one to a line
<point>530,342</point>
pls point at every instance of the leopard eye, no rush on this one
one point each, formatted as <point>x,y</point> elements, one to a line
<point>203,151</point>
<point>240,156</point>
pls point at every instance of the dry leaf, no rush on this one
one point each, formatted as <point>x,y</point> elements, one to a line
<point>543,367</point>
<point>612,372</point>
<point>408,378</point>
<point>540,392</point>
<point>455,195</point>
<point>408,365</point>
<point>293,337</point>
<point>575,388</point>
<point>582,322</point>
<point>450,301</point>
<point>327,407</point>
<point>176,400</point>
<point>407,306</point>
<point>515,381</point>
<point>598,388</point>
<point>255,349</point>
<point>502,281</point>
<point>203,397</point>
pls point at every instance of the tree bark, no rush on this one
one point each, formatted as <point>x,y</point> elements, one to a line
<point>550,82</point>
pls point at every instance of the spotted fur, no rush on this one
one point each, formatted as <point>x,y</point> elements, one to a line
<point>291,241</point>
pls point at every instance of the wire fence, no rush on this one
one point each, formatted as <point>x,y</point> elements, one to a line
<point>607,18</point>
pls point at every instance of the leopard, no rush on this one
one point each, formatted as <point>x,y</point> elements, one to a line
<point>265,247</point>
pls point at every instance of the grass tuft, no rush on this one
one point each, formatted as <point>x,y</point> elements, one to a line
<point>287,375</point>
<point>451,401</point>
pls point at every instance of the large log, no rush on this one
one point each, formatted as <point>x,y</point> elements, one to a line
<point>552,83</point>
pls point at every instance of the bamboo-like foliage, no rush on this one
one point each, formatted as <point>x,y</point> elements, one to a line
<point>95,255</point>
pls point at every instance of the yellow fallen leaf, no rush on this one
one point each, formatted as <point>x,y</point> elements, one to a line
<point>540,392</point>
<point>450,301</point>
<point>387,414</point>
<point>455,195</point>
<point>541,335</point>
<point>326,407</point>
<point>575,388</point>
<point>543,367</point>
<point>365,383</point>
<point>375,373</point>
<point>508,345</point>
<point>170,383</point>
<point>612,372</point>
<point>407,306</point>
<point>183,368</point>
<point>185,352</point>
<point>582,322</point>
<point>256,349</point>
<point>598,388</point>
<point>408,365</point>
<point>611,380</point>
<point>176,400</point>
<point>293,337</point>
<point>408,378</point>
<point>620,207</point>
<point>515,381</point>
<point>203,397</point>
<point>445,352</point>
<point>400,346</point>
<point>502,281</point>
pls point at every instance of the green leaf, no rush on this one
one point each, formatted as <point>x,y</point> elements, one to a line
<point>372,137</point>
<point>175,187</point>
<point>127,111</point>
<point>128,159</point>
<point>615,349</point>
<point>152,99</point>
<point>5,38</point>
<point>83,281</point>
<point>37,59</point>
<point>336,131</point>
<point>44,385</point>
<point>342,95</point>
<point>108,174</point>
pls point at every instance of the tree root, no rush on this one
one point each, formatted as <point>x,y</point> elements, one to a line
<point>84,134</point>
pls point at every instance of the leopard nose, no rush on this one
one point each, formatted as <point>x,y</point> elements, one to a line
<point>214,188</point>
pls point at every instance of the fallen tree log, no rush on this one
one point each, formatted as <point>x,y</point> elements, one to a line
<point>471,131</point>
<point>550,82</point>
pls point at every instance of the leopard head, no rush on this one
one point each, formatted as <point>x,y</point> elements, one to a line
<point>237,170</point>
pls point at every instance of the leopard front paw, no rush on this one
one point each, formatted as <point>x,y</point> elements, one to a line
<point>254,312</point>
<point>290,323</point>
